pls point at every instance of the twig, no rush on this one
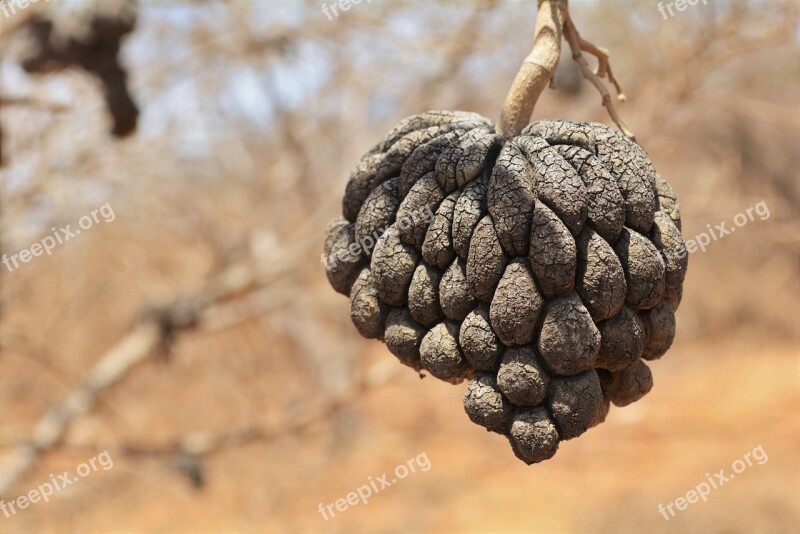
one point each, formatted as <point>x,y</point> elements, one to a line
<point>33,103</point>
<point>553,21</point>
<point>603,64</point>
<point>573,38</point>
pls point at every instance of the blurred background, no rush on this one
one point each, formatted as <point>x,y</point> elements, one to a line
<point>194,336</point>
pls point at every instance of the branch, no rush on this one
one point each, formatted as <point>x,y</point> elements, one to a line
<point>156,330</point>
<point>536,71</point>
<point>188,452</point>
<point>574,40</point>
<point>27,101</point>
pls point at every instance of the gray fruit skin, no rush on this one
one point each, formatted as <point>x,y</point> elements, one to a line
<point>569,341</point>
<point>627,386</point>
<point>441,355</point>
<point>521,377</point>
<point>403,336</point>
<point>516,305</point>
<point>533,436</point>
<point>485,405</point>
<point>549,269</point>
<point>576,402</point>
<point>481,346</point>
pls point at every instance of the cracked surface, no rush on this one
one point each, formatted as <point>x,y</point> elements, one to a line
<point>668,240</point>
<point>516,305</point>
<point>456,299</point>
<point>659,327</point>
<point>569,340</point>
<point>342,257</point>
<point>644,269</point>
<point>376,214</point>
<point>533,436</point>
<point>600,278</point>
<point>423,296</point>
<point>437,249</point>
<point>553,253</point>
<point>440,354</point>
<point>393,265</point>
<point>403,337</point>
<point>576,402</point>
<point>480,344</point>
<point>622,341</point>
<point>627,386</point>
<point>521,377</point>
<point>485,405</point>
<point>546,267</point>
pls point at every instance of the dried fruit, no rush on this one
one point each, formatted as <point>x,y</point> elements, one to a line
<point>542,268</point>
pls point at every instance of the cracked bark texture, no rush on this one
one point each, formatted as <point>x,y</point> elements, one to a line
<point>543,268</point>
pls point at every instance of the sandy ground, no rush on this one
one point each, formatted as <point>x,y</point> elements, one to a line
<point>712,404</point>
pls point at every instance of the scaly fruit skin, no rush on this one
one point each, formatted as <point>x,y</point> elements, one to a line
<point>542,269</point>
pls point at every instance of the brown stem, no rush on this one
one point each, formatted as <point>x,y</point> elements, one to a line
<point>538,68</point>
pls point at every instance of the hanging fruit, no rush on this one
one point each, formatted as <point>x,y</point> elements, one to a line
<point>542,263</point>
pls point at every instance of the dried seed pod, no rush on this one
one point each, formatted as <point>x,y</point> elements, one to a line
<point>486,261</point>
<point>367,311</point>
<point>437,249</point>
<point>549,263</point>
<point>668,240</point>
<point>423,296</point>
<point>377,213</point>
<point>342,256</point>
<point>393,265</point>
<point>469,209</point>
<point>511,198</point>
<point>553,253</point>
<point>644,270</point>
<point>600,278</point>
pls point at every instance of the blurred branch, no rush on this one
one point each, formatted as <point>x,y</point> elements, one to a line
<point>155,331</point>
<point>31,102</point>
<point>188,452</point>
